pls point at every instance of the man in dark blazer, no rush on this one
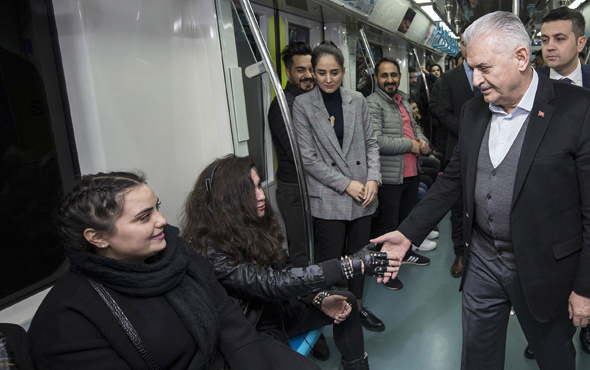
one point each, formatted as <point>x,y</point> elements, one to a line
<point>562,39</point>
<point>522,165</point>
<point>455,89</point>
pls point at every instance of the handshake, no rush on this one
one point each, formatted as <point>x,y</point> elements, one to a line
<point>370,262</point>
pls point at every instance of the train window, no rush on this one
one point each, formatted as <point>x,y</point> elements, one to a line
<point>406,21</point>
<point>298,33</point>
<point>35,151</point>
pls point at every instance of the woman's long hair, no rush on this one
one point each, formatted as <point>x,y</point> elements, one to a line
<point>222,210</point>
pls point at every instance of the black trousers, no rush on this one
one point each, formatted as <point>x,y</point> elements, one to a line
<point>289,202</point>
<point>301,318</point>
<point>395,204</point>
<point>335,238</point>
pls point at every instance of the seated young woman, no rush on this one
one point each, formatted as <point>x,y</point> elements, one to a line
<point>228,219</point>
<point>119,244</point>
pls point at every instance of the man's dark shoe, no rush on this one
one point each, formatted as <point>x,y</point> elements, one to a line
<point>414,258</point>
<point>320,350</point>
<point>528,353</point>
<point>370,321</point>
<point>457,267</point>
<point>585,339</point>
<point>394,284</point>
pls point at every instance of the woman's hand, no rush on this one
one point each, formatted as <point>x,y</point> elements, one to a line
<point>336,307</point>
<point>356,190</point>
<point>371,192</point>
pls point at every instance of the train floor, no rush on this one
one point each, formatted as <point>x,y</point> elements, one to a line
<point>423,320</point>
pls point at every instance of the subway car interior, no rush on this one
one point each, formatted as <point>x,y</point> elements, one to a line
<point>166,86</point>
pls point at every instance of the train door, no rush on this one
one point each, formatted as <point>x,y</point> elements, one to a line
<point>248,98</point>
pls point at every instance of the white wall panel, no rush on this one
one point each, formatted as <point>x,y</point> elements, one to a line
<point>146,90</point>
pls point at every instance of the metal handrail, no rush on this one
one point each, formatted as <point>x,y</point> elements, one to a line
<point>367,50</point>
<point>255,28</point>
<point>424,79</point>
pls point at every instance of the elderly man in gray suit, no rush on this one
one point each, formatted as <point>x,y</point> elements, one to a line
<point>522,166</point>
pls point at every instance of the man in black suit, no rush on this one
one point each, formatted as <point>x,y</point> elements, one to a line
<point>522,165</point>
<point>562,39</point>
<point>455,89</point>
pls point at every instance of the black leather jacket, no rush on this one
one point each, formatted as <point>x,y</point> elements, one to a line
<point>259,287</point>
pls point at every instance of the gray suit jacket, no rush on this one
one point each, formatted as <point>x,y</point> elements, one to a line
<point>330,167</point>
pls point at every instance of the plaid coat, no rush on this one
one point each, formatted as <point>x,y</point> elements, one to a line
<point>331,168</point>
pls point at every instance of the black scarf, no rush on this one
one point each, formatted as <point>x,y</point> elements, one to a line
<point>177,273</point>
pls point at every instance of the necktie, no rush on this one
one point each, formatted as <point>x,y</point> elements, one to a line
<point>566,80</point>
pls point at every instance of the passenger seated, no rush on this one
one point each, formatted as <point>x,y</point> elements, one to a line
<point>121,248</point>
<point>228,218</point>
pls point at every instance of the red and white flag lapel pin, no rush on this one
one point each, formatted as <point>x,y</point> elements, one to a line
<point>541,113</point>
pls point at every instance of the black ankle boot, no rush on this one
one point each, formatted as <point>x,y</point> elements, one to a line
<point>358,364</point>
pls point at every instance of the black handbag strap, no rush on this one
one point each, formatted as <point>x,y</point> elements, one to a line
<point>125,324</point>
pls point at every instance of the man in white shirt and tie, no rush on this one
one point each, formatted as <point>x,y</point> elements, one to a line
<point>562,38</point>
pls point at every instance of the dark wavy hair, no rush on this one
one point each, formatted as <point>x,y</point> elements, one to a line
<point>95,202</point>
<point>294,48</point>
<point>327,47</point>
<point>566,14</point>
<point>226,215</point>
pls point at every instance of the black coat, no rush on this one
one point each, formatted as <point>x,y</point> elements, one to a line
<point>454,92</point>
<point>74,329</point>
<point>286,171</point>
<point>261,288</point>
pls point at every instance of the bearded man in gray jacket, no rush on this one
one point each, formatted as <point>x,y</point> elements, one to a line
<point>400,143</point>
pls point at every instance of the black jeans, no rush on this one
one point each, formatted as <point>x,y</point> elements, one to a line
<point>301,318</point>
<point>395,204</point>
<point>335,238</point>
<point>289,202</point>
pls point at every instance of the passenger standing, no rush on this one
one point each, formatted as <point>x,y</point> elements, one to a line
<point>455,88</point>
<point>562,38</point>
<point>297,59</point>
<point>341,157</point>
<point>522,165</point>
<point>400,142</point>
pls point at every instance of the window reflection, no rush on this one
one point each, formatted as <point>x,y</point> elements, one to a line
<point>30,180</point>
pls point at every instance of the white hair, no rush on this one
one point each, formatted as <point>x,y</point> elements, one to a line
<point>505,27</point>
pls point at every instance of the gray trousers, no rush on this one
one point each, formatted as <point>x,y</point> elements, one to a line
<point>489,290</point>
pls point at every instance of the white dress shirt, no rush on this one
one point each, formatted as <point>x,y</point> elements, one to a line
<point>575,76</point>
<point>505,127</point>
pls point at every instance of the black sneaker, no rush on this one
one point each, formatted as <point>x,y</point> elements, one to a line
<point>414,258</point>
<point>370,321</point>
<point>394,284</point>
<point>528,353</point>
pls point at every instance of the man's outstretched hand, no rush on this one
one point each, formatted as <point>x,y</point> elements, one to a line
<point>396,243</point>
